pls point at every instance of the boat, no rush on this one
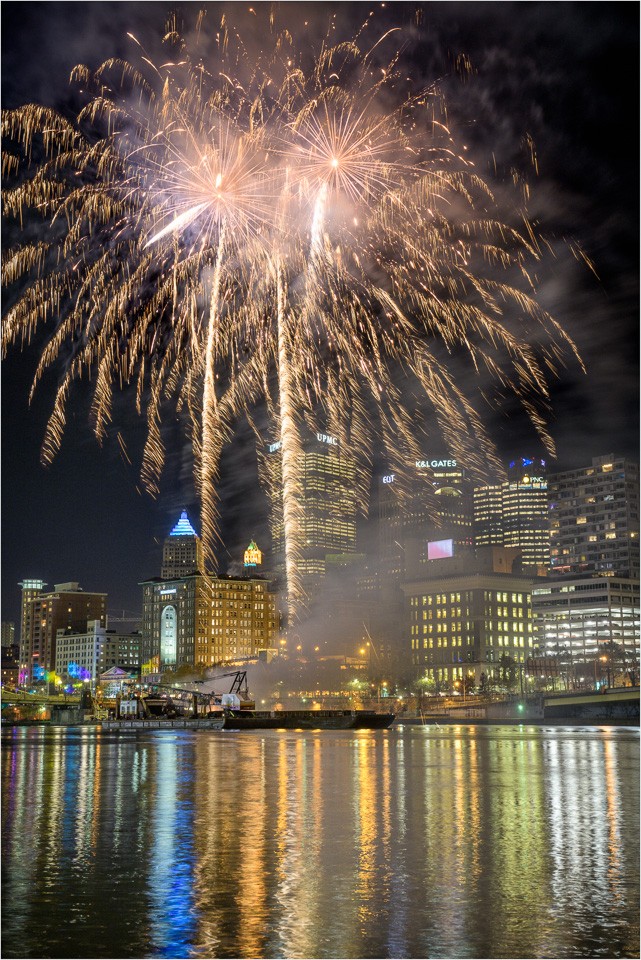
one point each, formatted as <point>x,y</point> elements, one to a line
<point>196,705</point>
<point>306,720</point>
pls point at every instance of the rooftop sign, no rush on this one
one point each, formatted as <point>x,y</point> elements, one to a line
<point>435,464</point>
<point>253,555</point>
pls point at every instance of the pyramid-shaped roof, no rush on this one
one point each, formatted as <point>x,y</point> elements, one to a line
<point>183,528</point>
<point>114,673</point>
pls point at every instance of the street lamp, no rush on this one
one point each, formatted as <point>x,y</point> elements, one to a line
<point>607,667</point>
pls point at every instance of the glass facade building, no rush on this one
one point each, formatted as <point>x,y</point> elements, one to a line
<point>439,505</point>
<point>328,508</point>
<point>515,513</point>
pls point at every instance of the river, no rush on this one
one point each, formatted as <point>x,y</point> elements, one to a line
<point>513,841</point>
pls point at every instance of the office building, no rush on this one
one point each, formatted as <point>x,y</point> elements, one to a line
<point>465,612</point>
<point>515,513</point>
<point>575,617</point>
<point>31,590</point>
<point>439,506</point>
<point>87,654</point>
<point>205,620</point>
<point>10,666</point>
<point>328,507</point>
<point>67,607</point>
<point>594,520</point>
<point>182,551</point>
<point>8,633</point>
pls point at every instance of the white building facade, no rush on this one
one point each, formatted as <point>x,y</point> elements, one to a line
<point>575,618</point>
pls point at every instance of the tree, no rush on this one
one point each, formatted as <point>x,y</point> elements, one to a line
<point>469,684</point>
<point>507,672</point>
<point>426,684</point>
<point>615,659</point>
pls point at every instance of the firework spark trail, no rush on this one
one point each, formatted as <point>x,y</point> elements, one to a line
<point>291,447</point>
<point>286,224</point>
<point>208,454</point>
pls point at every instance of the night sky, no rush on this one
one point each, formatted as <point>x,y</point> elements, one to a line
<point>566,74</point>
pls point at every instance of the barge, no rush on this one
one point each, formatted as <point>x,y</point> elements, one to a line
<point>261,720</point>
<point>306,720</point>
<point>196,706</point>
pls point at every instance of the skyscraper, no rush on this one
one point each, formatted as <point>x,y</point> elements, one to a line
<point>328,508</point>
<point>515,513</point>
<point>439,507</point>
<point>182,551</point>
<point>594,519</point>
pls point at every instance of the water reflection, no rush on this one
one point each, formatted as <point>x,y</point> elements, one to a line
<point>412,842</point>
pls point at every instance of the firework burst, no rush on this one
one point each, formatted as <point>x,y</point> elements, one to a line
<point>286,239</point>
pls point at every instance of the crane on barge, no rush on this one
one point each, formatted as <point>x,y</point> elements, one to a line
<point>202,693</point>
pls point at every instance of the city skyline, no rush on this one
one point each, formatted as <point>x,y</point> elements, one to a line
<point>83,517</point>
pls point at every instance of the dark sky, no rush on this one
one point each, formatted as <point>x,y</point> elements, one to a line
<point>564,73</point>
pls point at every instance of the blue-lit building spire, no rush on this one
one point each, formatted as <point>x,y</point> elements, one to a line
<point>183,528</point>
<point>182,551</point>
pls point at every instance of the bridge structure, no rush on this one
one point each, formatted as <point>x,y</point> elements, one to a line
<point>22,697</point>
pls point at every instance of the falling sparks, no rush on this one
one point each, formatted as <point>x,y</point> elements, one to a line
<point>262,235</point>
